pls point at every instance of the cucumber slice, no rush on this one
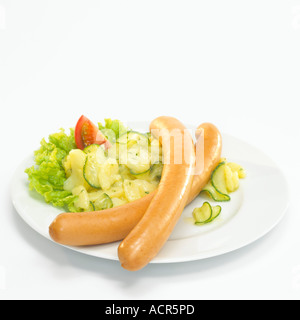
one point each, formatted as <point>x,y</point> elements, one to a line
<point>103,202</point>
<point>95,158</point>
<point>140,175</point>
<point>90,171</point>
<point>140,138</point>
<point>153,175</point>
<point>218,179</point>
<point>216,196</point>
<point>204,214</point>
<point>216,211</point>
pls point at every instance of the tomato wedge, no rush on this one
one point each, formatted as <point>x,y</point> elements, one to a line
<point>87,133</point>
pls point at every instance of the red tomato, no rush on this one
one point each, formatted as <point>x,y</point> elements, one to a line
<point>87,133</point>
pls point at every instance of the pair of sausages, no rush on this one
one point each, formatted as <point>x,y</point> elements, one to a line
<point>146,224</point>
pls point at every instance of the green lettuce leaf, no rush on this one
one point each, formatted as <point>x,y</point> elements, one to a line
<point>48,176</point>
<point>113,129</point>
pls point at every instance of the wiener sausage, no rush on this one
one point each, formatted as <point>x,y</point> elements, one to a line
<point>208,155</point>
<point>148,237</point>
<point>93,228</point>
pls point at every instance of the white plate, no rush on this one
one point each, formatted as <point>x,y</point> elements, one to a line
<point>255,209</point>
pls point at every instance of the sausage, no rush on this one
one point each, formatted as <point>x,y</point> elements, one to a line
<point>99,227</point>
<point>151,233</point>
<point>94,228</point>
<point>208,155</point>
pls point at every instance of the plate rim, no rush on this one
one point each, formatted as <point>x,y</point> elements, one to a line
<point>158,260</point>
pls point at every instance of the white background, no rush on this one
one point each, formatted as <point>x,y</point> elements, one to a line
<point>234,63</point>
